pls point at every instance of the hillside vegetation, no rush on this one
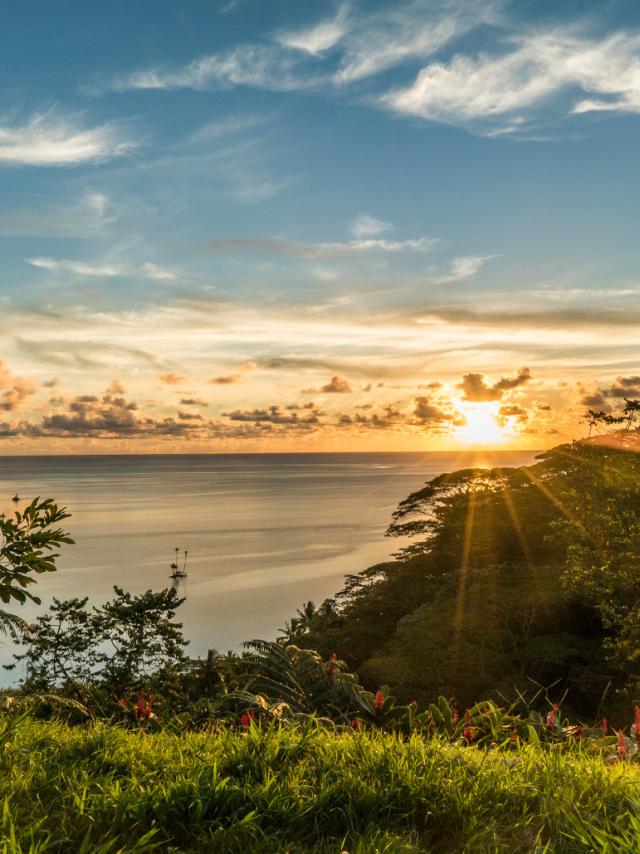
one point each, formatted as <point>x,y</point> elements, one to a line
<point>514,578</point>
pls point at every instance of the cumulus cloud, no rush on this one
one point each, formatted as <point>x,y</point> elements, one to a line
<point>592,398</point>
<point>13,397</point>
<point>427,413</point>
<point>14,390</point>
<point>48,139</point>
<point>386,419</point>
<point>275,415</point>
<point>229,379</point>
<point>172,378</point>
<point>336,385</point>
<point>624,387</point>
<point>193,401</point>
<point>513,411</point>
<point>190,416</point>
<point>475,387</point>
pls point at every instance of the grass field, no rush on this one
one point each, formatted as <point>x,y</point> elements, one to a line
<point>106,789</point>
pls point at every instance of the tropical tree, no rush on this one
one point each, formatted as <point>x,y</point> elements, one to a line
<point>28,544</point>
<point>125,645</point>
<point>631,411</point>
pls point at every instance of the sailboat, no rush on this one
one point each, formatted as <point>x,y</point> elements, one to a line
<point>178,573</point>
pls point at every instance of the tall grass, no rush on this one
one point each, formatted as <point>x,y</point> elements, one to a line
<point>103,790</point>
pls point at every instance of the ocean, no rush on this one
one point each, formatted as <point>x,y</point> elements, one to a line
<point>264,532</point>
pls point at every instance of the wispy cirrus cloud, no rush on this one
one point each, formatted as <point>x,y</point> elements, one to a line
<point>49,139</point>
<point>523,76</point>
<point>337,249</point>
<point>263,66</point>
<point>524,73</point>
<point>159,274</point>
<point>409,31</point>
<point>319,37</point>
<point>369,226</point>
<point>78,268</point>
<point>464,267</point>
<point>365,44</point>
<point>80,217</point>
<point>148,270</point>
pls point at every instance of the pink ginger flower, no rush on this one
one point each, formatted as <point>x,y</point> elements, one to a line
<point>468,733</point>
<point>552,716</point>
<point>636,722</point>
<point>604,726</point>
<point>379,701</point>
<point>355,724</point>
<point>622,744</point>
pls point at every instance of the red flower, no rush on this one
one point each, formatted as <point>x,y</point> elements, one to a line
<point>468,734</point>
<point>486,711</point>
<point>622,745</point>
<point>636,721</point>
<point>467,717</point>
<point>122,702</point>
<point>578,732</point>
<point>144,709</point>
<point>604,726</point>
<point>247,718</point>
<point>514,736</point>
<point>551,716</point>
<point>379,700</point>
<point>355,724</point>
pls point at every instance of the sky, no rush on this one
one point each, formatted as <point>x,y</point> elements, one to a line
<point>266,225</point>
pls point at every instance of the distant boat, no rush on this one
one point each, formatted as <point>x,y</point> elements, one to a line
<point>16,498</point>
<point>178,573</point>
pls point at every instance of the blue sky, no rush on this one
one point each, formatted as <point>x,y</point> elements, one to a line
<point>315,222</point>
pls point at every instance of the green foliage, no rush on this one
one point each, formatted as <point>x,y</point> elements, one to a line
<point>600,532</point>
<point>124,645</point>
<point>28,543</point>
<point>307,790</point>
<point>299,678</point>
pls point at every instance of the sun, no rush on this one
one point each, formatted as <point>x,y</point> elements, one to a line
<point>481,425</point>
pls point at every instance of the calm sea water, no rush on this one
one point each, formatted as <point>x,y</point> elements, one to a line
<point>265,532</point>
